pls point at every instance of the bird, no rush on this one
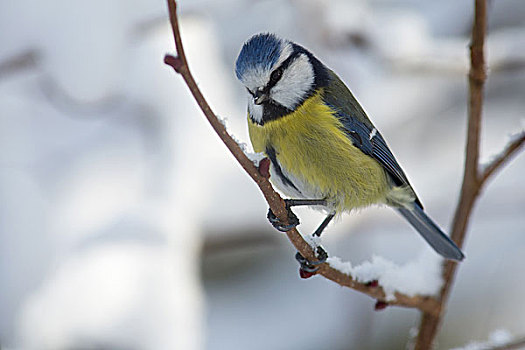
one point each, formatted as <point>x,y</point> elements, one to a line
<point>323,149</point>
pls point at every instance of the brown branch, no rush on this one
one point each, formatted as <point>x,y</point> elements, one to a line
<point>429,324</point>
<point>180,65</point>
<point>473,178</point>
<point>507,153</point>
<point>471,184</point>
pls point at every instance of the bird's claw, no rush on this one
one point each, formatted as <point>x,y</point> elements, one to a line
<point>278,224</point>
<point>312,266</point>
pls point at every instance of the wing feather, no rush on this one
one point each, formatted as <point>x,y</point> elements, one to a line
<point>362,132</point>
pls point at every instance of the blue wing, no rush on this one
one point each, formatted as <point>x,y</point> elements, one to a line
<point>362,132</point>
<point>372,143</point>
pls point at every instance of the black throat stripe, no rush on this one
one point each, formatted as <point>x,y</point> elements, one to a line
<point>270,151</point>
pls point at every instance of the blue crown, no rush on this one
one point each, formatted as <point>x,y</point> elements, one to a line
<point>261,50</point>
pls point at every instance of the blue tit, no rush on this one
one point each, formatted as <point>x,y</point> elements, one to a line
<point>324,151</point>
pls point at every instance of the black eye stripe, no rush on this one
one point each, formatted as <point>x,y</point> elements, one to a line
<point>276,76</point>
<point>278,72</point>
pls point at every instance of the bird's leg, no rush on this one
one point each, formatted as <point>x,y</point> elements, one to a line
<point>307,266</point>
<point>299,202</point>
<point>323,225</point>
<point>292,218</point>
<point>278,224</point>
<point>322,255</point>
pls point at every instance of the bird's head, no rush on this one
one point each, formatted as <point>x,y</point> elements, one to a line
<point>278,75</point>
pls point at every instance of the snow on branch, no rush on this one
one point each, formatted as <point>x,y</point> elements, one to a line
<point>419,277</point>
<point>513,145</point>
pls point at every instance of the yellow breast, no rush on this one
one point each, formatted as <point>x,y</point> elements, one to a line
<point>310,143</point>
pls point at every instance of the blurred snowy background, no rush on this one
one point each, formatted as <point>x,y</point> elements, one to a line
<point>125,224</point>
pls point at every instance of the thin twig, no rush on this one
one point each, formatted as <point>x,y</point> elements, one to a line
<point>24,60</point>
<point>511,149</point>
<point>180,65</point>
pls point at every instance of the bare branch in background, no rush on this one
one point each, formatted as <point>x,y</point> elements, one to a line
<point>25,60</point>
<point>221,242</point>
<point>276,203</point>
<point>52,90</point>
<point>74,107</point>
<point>474,178</point>
<point>429,325</point>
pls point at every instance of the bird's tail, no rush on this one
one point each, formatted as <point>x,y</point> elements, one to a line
<point>438,240</point>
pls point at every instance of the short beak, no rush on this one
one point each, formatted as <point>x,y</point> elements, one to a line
<point>260,97</point>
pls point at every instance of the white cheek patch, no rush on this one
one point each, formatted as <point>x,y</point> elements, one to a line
<point>256,111</point>
<point>296,81</point>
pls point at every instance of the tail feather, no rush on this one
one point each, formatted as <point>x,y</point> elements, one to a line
<point>438,240</point>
